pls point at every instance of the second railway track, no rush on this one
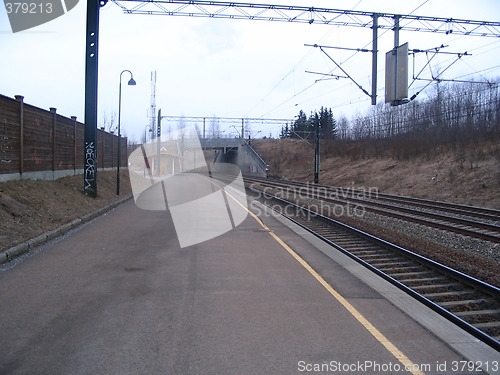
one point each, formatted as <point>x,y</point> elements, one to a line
<point>473,222</point>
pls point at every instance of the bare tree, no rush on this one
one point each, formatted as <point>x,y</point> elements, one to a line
<point>109,123</point>
<point>343,127</point>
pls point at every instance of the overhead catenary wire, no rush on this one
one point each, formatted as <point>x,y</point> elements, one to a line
<point>360,99</point>
<point>292,70</point>
<point>358,50</point>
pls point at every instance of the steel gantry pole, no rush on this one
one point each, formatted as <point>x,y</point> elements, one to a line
<point>374,58</point>
<point>158,143</point>
<point>91,68</point>
<point>396,45</point>
<point>316,150</point>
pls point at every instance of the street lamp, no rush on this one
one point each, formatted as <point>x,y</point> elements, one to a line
<point>131,82</point>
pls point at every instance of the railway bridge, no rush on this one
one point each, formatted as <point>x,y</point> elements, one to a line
<point>236,151</point>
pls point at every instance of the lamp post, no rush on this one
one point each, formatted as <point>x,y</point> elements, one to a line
<point>131,82</point>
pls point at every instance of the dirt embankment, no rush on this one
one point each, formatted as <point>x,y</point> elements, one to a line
<point>30,208</point>
<point>460,177</point>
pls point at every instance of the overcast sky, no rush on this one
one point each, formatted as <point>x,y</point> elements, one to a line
<point>228,68</point>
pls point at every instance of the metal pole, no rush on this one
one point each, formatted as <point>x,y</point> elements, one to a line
<point>91,68</point>
<point>119,137</point>
<point>396,31</point>
<point>395,52</point>
<point>131,82</point>
<point>158,136</point>
<point>242,129</point>
<point>316,152</point>
<point>374,59</point>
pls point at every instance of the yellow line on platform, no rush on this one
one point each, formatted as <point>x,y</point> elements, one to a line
<point>401,357</point>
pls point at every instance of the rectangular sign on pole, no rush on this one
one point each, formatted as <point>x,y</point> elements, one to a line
<point>396,75</point>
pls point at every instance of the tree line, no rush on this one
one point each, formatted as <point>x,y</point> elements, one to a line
<point>305,127</point>
<point>453,114</point>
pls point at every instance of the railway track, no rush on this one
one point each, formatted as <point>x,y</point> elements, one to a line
<point>473,222</point>
<point>468,302</point>
<point>470,211</point>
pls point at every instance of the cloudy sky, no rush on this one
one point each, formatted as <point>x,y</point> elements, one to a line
<point>228,68</point>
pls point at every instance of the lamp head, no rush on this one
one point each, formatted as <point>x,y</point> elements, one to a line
<point>131,82</point>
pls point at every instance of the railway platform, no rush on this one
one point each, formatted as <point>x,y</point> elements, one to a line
<point>120,296</point>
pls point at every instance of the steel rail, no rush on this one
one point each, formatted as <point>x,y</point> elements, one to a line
<point>460,209</point>
<point>467,227</point>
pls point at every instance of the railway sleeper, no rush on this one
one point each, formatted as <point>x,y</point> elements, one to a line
<point>390,265</point>
<point>342,242</point>
<point>375,258</point>
<point>397,270</point>
<point>405,273</point>
<point>447,296</point>
<point>420,280</point>
<point>478,313</point>
<point>331,232</point>
<point>412,283</point>
<point>325,233</point>
<point>355,249</point>
<point>438,286</point>
<point>359,249</point>
<point>487,325</point>
<point>469,305</point>
<point>371,250</point>
<point>338,232</point>
<point>341,236</point>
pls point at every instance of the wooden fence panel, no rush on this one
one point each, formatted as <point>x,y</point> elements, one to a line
<point>9,136</point>
<point>80,150</point>
<point>36,140</point>
<point>64,141</point>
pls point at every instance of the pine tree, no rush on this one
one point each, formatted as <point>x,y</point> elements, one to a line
<point>328,124</point>
<point>285,132</point>
<point>299,126</point>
